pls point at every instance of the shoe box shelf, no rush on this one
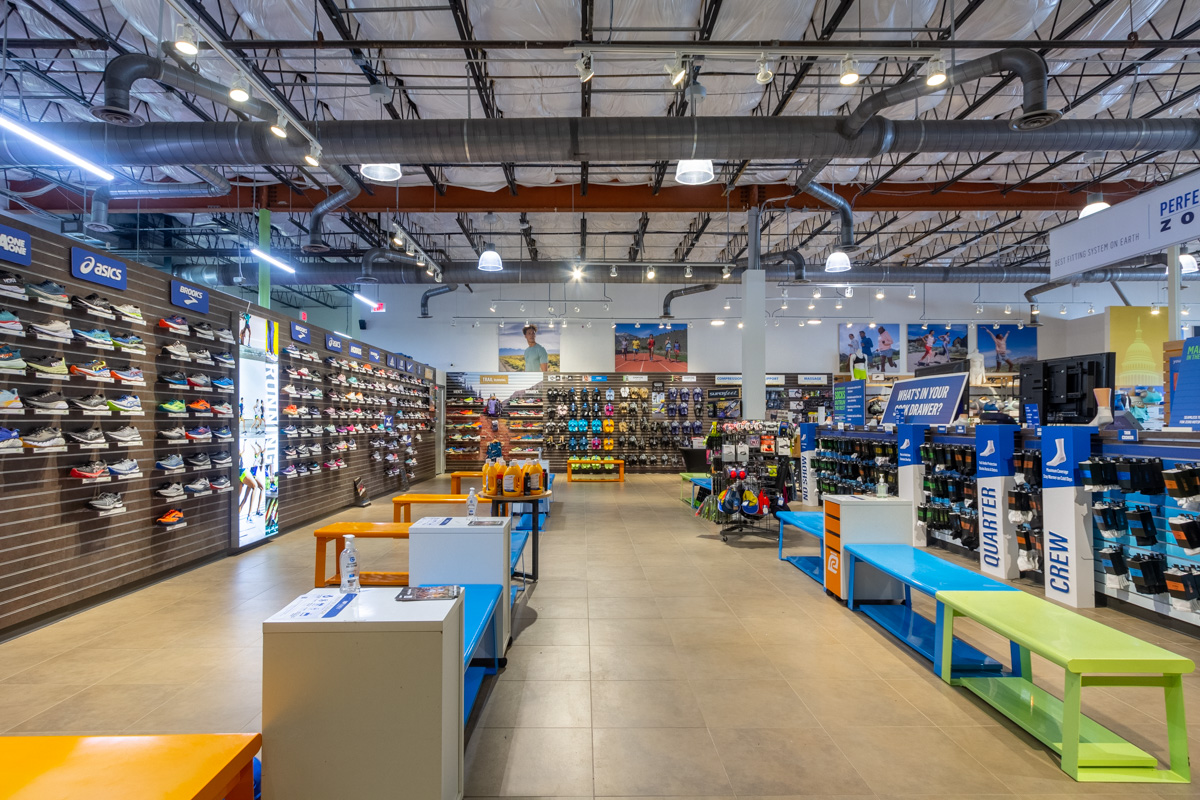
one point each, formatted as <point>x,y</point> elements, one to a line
<point>55,550</point>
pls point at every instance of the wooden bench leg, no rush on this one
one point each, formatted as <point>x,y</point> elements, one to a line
<point>1177,740</point>
<point>1072,689</point>
<point>455,484</point>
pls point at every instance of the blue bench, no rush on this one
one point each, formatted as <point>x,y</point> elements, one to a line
<point>918,569</point>
<point>479,616</point>
<point>812,523</point>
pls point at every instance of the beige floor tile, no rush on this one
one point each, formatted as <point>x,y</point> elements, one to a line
<point>203,707</point>
<point>629,589</point>
<point>19,702</point>
<point>614,632</point>
<point>83,665</point>
<point>866,703</point>
<point>726,662</point>
<point>543,631</point>
<point>682,587</point>
<point>551,587</point>
<point>914,760</point>
<point>547,663</point>
<point>1020,762</point>
<point>622,608</point>
<point>785,761</point>
<point>657,761</point>
<point>693,607</point>
<point>644,704</point>
<point>100,710</point>
<point>554,704</point>
<point>552,607</point>
<point>795,630</point>
<point>820,661</point>
<point>529,762</point>
<point>751,704</point>
<point>636,663</point>
<point>708,632</point>
<point>178,665</point>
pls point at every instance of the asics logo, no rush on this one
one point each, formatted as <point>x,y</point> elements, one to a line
<point>91,266</point>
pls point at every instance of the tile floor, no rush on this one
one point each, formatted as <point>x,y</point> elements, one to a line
<point>651,660</point>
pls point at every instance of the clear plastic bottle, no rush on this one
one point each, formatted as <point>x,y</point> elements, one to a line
<point>348,566</point>
<point>472,502</point>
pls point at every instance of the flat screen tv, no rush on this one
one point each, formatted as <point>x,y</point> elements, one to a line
<point>1061,388</point>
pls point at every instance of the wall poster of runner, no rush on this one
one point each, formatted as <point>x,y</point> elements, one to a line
<point>645,347</point>
<point>869,348</point>
<point>935,344</point>
<point>1006,347</point>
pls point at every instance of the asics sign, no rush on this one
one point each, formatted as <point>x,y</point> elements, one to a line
<point>16,246</point>
<point>186,296</point>
<point>95,268</point>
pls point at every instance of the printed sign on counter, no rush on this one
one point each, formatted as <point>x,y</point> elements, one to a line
<point>927,401</point>
<point>95,268</point>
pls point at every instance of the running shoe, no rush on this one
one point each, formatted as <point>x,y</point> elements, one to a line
<point>126,466</point>
<point>289,389</point>
<point>291,350</point>
<point>171,491</point>
<point>288,430</point>
<point>47,290</point>
<point>225,333</point>
<point>54,328</point>
<point>331,464</point>
<point>129,311</point>
<point>96,368</point>
<point>107,501</point>
<point>172,461</point>
<point>223,432</point>
<point>224,409</point>
<point>202,327</point>
<point>50,365</point>
<point>199,404</point>
<point>304,451</point>
<point>10,439</point>
<point>330,429</point>
<point>197,485</point>
<point>89,436</point>
<point>220,483</point>
<point>52,401</point>
<point>90,402</point>
<point>130,373</point>
<point>199,432</point>
<point>199,460</point>
<point>174,323</point>
<point>290,469</point>
<point>9,398</point>
<point>199,381</point>
<point>224,358</point>
<point>221,458</point>
<point>93,302</point>
<point>291,411</point>
<point>222,382</point>
<point>174,434</point>
<point>301,469</point>
<point>125,433</point>
<point>202,355</point>
<point>128,341</point>
<point>171,518</point>
<point>175,378</point>
<point>290,452</point>
<point>11,284</point>
<point>10,322</point>
<point>174,406</point>
<point>95,336</point>
<point>178,349</point>
<point>126,402</point>
<point>44,437</point>
<point>304,373</point>
<point>10,358</point>
<point>92,469</point>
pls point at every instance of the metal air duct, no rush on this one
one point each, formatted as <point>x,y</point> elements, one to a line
<point>671,295</point>
<point>316,227</point>
<point>434,292</point>
<point>215,185</point>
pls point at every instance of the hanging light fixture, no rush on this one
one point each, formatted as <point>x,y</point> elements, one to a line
<point>1154,309</point>
<point>1062,309</point>
<point>1091,309</point>
<point>937,72</point>
<point>185,39</point>
<point>1095,202</point>
<point>694,171</point>
<point>765,73</point>
<point>650,273</point>
<point>675,70</point>
<point>410,247</point>
<point>716,322</point>
<point>20,130</point>
<point>489,259</point>
<point>978,309</point>
<point>1008,309</point>
<point>879,293</point>
<point>1187,262</point>
<point>838,304</point>
<point>837,261</point>
<point>492,307</point>
<point>811,305</point>
<point>726,303</point>
<point>313,156</point>
<point>421,263</point>
<point>783,307</point>
<point>814,321</point>
<point>725,271</point>
<point>849,75</point>
<point>687,271</point>
<point>280,127</point>
<point>576,272</point>
<point>270,259</point>
<point>816,294</point>
<point>398,236</point>
<point>612,271</point>
<point>381,173</point>
<point>1186,310</point>
<point>741,325</point>
<point>1034,309</point>
<point>912,293</point>
<point>584,67</point>
<point>239,90</point>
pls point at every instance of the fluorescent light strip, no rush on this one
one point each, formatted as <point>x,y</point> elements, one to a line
<point>82,163</point>
<point>366,300</point>
<point>271,260</point>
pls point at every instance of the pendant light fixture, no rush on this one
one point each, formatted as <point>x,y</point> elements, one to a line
<point>765,73</point>
<point>185,39</point>
<point>381,173</point>
<point>239,90</point>
<point>489,259</point>
<point>837,262</point>
<point>1095,203</point>
<point>1187,262</point>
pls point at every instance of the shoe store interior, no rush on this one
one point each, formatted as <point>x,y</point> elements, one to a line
<point>347,392</point>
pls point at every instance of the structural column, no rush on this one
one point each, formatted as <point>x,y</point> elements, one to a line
<point>754,331</point>
<point>1174,321</point>
<point>264,269</point>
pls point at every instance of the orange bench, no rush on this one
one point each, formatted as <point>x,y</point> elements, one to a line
<point>456,479</point>
<point>173,767</point>
<point>337,533</point>
<point>402,503</point>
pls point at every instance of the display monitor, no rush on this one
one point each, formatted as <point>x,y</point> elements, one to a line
<point>1062,388</point>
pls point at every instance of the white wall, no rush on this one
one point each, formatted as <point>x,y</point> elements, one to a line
<point>450,341</point>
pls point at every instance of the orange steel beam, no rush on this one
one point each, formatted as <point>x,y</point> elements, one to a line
<point>601,197</point>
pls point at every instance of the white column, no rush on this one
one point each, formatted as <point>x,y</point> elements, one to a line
<point>754,331</point>
<point>1173,284</point>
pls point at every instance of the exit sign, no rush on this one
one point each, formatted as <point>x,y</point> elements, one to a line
<point>378,308</point>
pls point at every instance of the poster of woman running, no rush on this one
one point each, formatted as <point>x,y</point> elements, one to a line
<point>868,348</point>
<point>1006,347</point>
<point>935,344</point>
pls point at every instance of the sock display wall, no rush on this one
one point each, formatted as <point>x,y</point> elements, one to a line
<point>89,506</point>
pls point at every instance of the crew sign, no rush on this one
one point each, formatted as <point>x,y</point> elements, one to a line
<point>95,268</point>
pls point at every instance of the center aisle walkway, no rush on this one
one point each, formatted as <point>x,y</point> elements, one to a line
<point>651,660</point>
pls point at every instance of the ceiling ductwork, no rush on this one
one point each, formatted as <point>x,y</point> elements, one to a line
<point>540,140</point>
<point>434,292</point>
<point>215,185</point>
<point>316,227</point>
<point>684,292</point>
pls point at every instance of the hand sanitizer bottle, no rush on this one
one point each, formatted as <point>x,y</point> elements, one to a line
<point>348,566</point>
<point>472,502</point>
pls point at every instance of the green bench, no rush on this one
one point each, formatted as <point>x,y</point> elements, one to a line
<point>1092,654</point>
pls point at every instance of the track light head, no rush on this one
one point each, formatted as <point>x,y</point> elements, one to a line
<point>584,67</point>
<point>186,41</point>
<point>937,72</point>
<point>765,73</point>
<point>675,70</point>
<point>849,75</point>
<point>280,127</point>
<point>239,90</point>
